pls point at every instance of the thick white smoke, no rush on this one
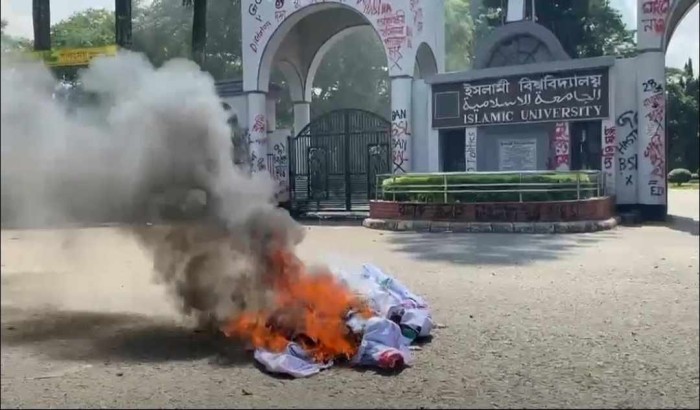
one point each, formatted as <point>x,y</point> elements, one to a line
<point>147,131</point>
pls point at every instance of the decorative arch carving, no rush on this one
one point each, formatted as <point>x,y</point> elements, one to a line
<point>523,42</point>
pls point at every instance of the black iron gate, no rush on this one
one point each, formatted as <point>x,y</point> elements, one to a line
<point>334,161</point>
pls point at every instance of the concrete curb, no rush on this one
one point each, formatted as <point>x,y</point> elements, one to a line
<point>495,227</point>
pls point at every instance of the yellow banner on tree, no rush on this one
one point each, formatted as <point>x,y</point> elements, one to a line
<point>70,57</point>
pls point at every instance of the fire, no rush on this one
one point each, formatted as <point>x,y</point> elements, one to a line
<point>310,308</point>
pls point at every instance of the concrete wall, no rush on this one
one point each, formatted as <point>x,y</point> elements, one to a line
<point>421,130</point>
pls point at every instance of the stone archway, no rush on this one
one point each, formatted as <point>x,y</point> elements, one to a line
<point>294,35</point>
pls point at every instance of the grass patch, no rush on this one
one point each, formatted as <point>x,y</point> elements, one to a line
<point>687,185</point>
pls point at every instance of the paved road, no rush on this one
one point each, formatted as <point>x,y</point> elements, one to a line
<point>684,203</point>
<point>607,319</point>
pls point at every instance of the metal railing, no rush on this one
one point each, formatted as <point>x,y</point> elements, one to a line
<point>592,186</point>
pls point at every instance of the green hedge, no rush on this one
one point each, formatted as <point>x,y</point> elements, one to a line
<point>390,186</point>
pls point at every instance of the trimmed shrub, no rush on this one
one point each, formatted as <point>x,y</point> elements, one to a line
<point>561,186</point>
<point>679,176</point>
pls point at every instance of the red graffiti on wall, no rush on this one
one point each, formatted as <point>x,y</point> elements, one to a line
<point>375,7</point>
<point>656,7</point>
<point>655,24</point>
<point>608,147</point>
<point>655,115</point>
<point>395,34</point>
<point>654,16</point>
<point>656,106</point>
<point>560,143</point>
<point>655,152</point>
<point>259,124</point>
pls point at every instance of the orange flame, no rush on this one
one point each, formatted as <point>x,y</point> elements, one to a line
<point>309,308</point>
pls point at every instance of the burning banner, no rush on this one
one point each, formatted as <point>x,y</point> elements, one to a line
<point>317,318</point>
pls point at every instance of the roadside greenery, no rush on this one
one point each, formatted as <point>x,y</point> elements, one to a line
<point>431,187</point>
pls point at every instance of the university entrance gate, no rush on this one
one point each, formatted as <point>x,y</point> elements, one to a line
<point>335,159</point>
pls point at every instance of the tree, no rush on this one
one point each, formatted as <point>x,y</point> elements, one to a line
<point>353,74</point>
<point>163,30</point>
<point>682,113</point>
<point>11,43</point>
<point>459,35</point>
<point>88,28</point>
<point>604,32</point>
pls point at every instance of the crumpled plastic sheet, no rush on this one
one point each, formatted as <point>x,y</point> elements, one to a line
<point>401,317</point>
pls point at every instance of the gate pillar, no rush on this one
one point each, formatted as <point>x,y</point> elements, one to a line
<point>257,131</point>
<point>401,90</point>
<point>302,115</point>
<point>651,107</point>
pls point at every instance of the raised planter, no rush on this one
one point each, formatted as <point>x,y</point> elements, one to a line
<point>523,217</point>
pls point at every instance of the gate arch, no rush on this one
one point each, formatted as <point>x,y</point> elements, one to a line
<point>334,161</point>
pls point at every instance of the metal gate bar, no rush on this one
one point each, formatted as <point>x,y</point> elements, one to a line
<point>333,161</point>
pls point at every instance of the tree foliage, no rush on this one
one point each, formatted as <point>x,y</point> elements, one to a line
<point>88,28</point>
<point>11,43</point>
<point>682,114</point>
<point>163,30</point>
<point>459,35</point>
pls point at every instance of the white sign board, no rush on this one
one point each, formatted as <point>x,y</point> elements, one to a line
<point>517,154</point>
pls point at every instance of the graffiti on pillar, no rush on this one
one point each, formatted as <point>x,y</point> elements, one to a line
<point>399,24</point>
<point>654,16</point>
<point>278,164</point>
<point>399,140</point>
<point>470,149</point>
<point>655,114</point>
<point>560,145</point>
<point>260,33</point>
<point>257,138</point>
<point>417,12</point>
<point>375,7</point>
<point>395,35</point>
<point>627,147</point>
<point>608,155</point>
<point>254,9</point>
<point>259,125</point>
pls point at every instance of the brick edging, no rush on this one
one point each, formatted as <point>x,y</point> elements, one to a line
<point>591,209</point>
<point>496,227</point>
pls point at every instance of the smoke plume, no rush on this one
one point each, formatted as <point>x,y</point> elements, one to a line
<point>148,131</point>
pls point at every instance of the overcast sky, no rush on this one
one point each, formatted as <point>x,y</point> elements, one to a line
<point>684,43</point>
